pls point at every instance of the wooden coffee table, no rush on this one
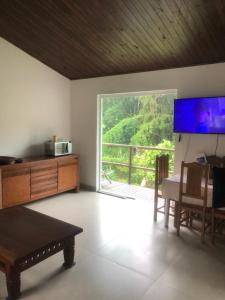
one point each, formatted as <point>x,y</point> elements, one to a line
<point>28,237</point>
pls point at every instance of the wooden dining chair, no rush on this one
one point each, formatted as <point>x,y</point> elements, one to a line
<point>218,203</point>
<point>193,196</point>
<point>161,172</point>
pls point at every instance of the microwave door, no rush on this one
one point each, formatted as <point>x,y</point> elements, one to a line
<point>66,148</point>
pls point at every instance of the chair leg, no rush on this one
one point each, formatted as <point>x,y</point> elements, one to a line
<point>155,208</point>
<point>191,219</point>
<point>213,228</point>
<point>187,215</point>
<point>203,227</point>
<point>175,214</point>
<point>167,212</point>
<point>178,219</point>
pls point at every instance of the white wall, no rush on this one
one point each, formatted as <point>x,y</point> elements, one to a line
<point>208,80</point>
<point>34,103</point>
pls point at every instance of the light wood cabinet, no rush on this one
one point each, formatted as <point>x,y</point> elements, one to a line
<point>15,187</point>
<point>37,178</point>
<point>68,174</point>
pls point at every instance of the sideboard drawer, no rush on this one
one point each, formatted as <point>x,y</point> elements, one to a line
<point>17,172</point>
<point>68,161</point>
<point>44,169</point>
<point>44,180</point>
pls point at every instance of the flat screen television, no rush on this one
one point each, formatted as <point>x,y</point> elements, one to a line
<point>200,115</point>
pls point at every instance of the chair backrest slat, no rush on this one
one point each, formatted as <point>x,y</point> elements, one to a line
<point>195,178</point>
<point>162,168</point>
<point>194,181</point>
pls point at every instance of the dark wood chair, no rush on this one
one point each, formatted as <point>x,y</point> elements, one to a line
<point>218,203</point>
<point>193,196</point>
<point>161,172</point>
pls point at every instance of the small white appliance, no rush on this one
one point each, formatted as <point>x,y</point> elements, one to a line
<point>58,148</point>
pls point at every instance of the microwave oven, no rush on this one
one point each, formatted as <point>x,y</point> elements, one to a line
<point>58,148</point>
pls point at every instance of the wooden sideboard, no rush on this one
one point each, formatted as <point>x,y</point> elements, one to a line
<point>37,178</point>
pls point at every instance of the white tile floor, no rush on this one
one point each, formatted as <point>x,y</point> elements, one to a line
<point>123,255</point>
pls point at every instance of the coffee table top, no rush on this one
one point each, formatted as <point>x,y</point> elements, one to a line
<point>23,231</point>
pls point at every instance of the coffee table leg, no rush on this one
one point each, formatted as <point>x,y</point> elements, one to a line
<point>13,283</point>
<point>68,252</point>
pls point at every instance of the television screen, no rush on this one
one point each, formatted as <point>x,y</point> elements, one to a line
<point>199,115</point>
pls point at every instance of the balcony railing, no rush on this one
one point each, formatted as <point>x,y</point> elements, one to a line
<point>132,150</point>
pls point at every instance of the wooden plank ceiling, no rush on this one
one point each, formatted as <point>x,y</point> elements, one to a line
<point>91,38</point>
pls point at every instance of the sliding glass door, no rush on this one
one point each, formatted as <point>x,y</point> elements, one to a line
<point>133,129</point>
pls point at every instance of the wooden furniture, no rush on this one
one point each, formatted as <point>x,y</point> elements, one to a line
<point>161,172</point>
<point>214,161</point>
<point>37,178</point>
<point>218,204</point>
<point>24,242</point>
<point>171,188</point>
<point>193,196</point>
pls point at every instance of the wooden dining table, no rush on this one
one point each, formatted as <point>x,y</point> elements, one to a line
<point>170,191</point>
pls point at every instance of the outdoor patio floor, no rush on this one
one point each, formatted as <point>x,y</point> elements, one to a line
<point>128,191</point>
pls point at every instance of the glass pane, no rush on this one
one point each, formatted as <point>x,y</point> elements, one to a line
<point>135,128</point>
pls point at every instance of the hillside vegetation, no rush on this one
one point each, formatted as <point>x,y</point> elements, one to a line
<point>140,121</point>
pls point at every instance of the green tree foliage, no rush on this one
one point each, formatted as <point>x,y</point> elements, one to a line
<point>117,108</point>
<point>136,120</point>
<point>140,120</point>
<point>122,132</point>
<point>154,132</point>
<point>143,158</point>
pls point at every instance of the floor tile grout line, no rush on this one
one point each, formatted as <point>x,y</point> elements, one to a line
<point>135,271</point>
<point>162,274</point>
<point>123,266</point>
<point>151,281</point>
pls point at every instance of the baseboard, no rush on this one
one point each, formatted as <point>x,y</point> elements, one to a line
<point>86,187</point>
